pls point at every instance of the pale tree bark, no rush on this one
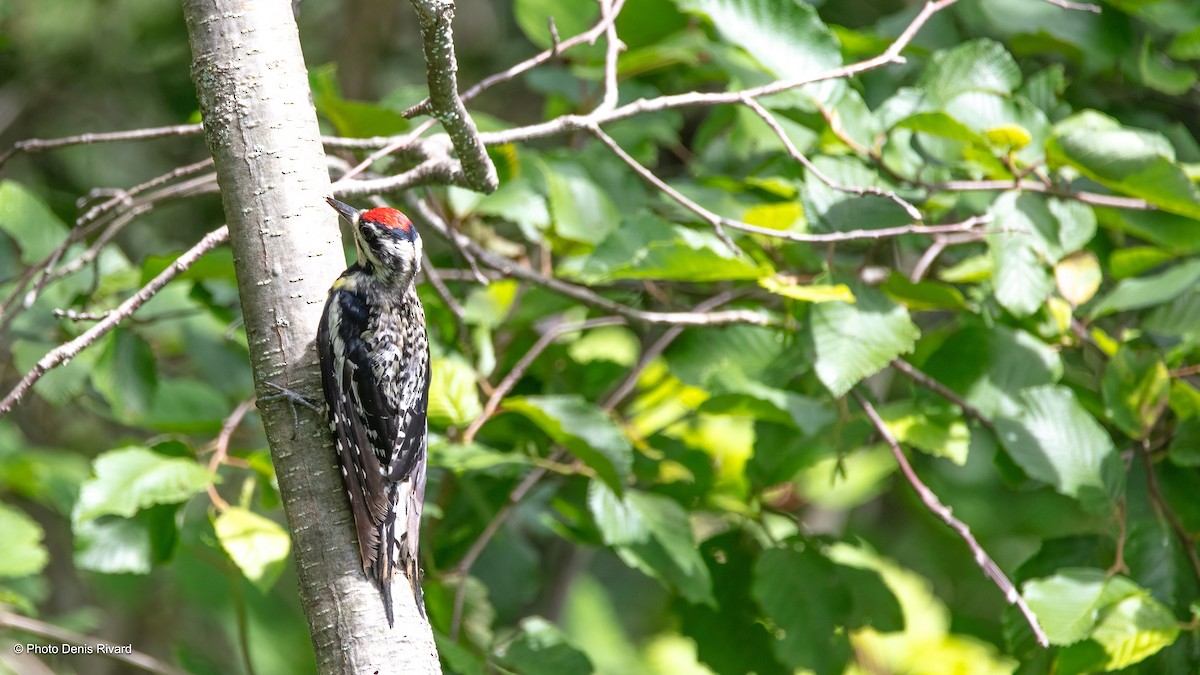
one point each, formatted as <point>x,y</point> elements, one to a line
<point>263,135</point>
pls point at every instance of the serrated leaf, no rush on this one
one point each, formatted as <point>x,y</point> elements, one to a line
<point>453,396</point>
<point>258,546</point>
<point>1056,441</point>
<point>787,37</point>
<point>1122,618</point>
<point>1136,389</point>
<point>854,341</point>
<point>1131,162</point>
<point>991,366</point>
<point>976,65</point>
<point>1036,232</point>
<point>815,293</point>
<point>135,478</point>
<point>583,429</point>
<point>23,553</point>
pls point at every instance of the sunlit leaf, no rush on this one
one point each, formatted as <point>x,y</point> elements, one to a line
<point>587,432</point>
<point>135,478</point>
<point>258,546</point>
<point>854,341</point>
<point>23,553</point>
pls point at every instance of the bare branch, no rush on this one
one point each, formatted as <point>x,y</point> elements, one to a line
<point>719,222</point>
<point>1093,198</point>
<point>941,390</point>
<point>913,212</point>
<point>49,631</point>
<point>990,569</point>
<point>67,351</point>
<point>423,212</point>
<point>40,144</point>
<point>519,368</point>
<point>609,9</point>
<point>435,17</point>
<point>221,447</point>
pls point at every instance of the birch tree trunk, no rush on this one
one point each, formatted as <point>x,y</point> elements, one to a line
<point>262,132</point>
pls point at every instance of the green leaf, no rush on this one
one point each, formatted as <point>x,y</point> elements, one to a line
<point>125,374</point>
<point>616,517</point>
<point>1123,619</point>
<point>453,396</point>
<point>1054,440</point>
<point>924,295</point>
<point>584,430</point>
<point>839,211</point>
<point>854,341</point>
<point>571,17</point>
<point>1150,290</point>
<point>807,614</point>
<point>648,247</point>
<point>27,219</point>
<point>991,366</point>
<point>815,293</point>
<point>785,36</point>
<point>115,545</point>
<point>581,209</point>
<point>608,343</point>
<point>258,546</point>
<point>976,65</point>
<point>1066,604</point>
<point>1078,277</point>
<point>939,433</point>
<point>459,458</point>
<point>1129,161</point>
<point>1036,231</point>
<point>59,384</point>
<point>23,553</point>
<point>540,648</point>
<point>356,119</point>
<point>135,478</point>
<point>1136,390</point>
<point>1136,260</point>
<point>185,405</point>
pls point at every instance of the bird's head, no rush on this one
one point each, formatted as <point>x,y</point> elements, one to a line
<point>388,244</point>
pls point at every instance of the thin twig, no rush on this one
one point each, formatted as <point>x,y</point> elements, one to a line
<point>221,447</point>
<point>912,211</point>
<point>990,569</point>
<point>43,144</point>
<point>420,209</point>
<point>468,560</point>
<point>67,351</point>
<point>609,9</point>
<point>519,368</point>
<point>105,648</point>
<point>941,390</point>
<point>1186,540</point>
<point>1092,198</point>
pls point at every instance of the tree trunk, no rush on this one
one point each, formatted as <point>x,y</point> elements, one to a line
<point>263,135</point>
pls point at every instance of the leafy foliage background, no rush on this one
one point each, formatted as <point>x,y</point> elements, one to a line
<point>735,509</point>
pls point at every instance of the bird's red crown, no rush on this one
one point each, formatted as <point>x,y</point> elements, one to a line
<point>389,218</point>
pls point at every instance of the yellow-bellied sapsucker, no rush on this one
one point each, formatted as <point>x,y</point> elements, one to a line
<point>375,370</point>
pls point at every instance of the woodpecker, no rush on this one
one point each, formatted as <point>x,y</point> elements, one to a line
<point>375,371</point>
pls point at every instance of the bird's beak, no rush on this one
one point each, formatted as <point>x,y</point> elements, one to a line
<point>344,210</point>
